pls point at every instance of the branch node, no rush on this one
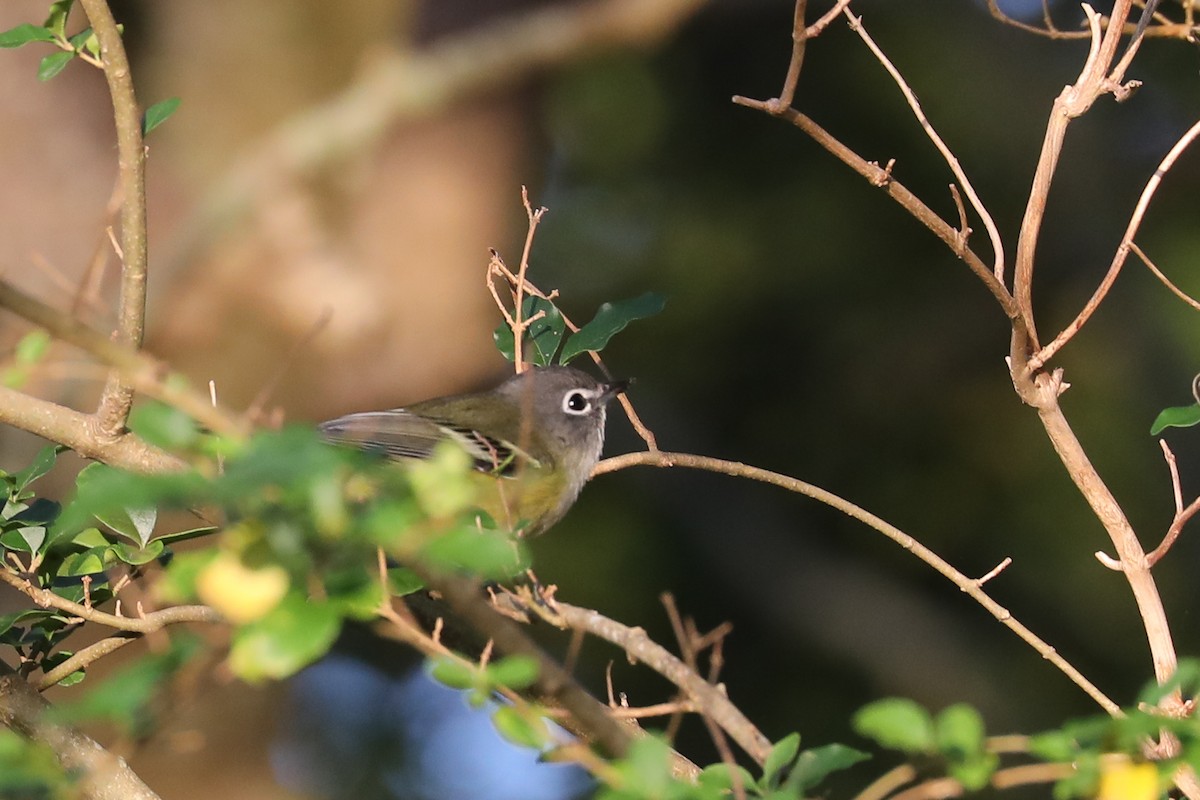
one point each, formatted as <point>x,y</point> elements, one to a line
<point>883,175</point>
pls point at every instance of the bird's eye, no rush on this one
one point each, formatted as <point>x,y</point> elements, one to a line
<point>576,403</point>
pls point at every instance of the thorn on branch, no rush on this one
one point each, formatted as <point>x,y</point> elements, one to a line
<point>1108,561</point>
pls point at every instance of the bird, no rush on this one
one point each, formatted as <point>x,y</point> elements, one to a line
<point>533,439</point>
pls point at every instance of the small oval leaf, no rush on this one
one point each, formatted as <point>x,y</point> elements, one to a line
<point>1176,417</point>
<point>53,64</point>
<point>24,34</point>
<point>610,319</point>
<point>158,113</point>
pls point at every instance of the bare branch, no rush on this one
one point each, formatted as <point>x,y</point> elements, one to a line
<point>113,411</point>
<point>951,160</point>
<point>1114,269</point>
<point>880,177</point>
<point>711,699</point>
<point>966,584</point>
<point>1073,101</point>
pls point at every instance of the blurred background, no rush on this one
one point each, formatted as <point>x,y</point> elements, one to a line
<point>321,208</point>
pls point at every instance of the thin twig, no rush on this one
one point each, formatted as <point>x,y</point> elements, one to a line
<point>949,157</point>
<point>1182,515</point>
<point>640,647</point>
<point>1114,269</point>
<point>799,40</point>
<point>1072,102</point>
<point>966,584</point>
<point>520,325</point>
<point>688,651</point>
<point>879,177</point>
<point>1182,295</point>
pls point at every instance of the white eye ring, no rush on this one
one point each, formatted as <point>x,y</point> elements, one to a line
<point>576,402</point>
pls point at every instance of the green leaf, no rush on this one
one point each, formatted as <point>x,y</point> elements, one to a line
<point>91,44</point>
<point>610,319</point>
<point>136,556</point>
<point>80,40</point>
<point>515,672</point>
<point>489,554</point>
<point>454,673</point>
<point>92,561</point>
<point>7,621</point>
<point>815,764</point>
<point>13,540</point>
<point>522,729</point>
<point>158,113</point>
<point>30,770</point>
<point>54,659</point>
<point>897,723</point>
<point>974,772</point>
<point>403,581</point>
<point>959,732</point>
<point>718,776</point>
<point>42,463</point>
<point>56,20</point>
<point>354,592</point>
<point>53,64</point>
<point>1185,679</point>
<point>295,633</point>
<point>32,347</point>
<point>164,426</point>
<point>183,536</point>
<point>24,34</point>
<point>1177,417</point>
<point>135,524</point>
<point>1054,746</point>
<point>178,583</point>
<point>542,337</point>
<point>781,755</point>
<point>33,535</point>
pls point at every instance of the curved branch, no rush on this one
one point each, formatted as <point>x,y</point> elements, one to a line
<point>951,160</point>
<point>83,658</point>
<point>1073,101</point>
<point>971,587</point>
<point>146,623</point>
<point>113,411</point>
<point>1119,258</point>
<point>882,178</point>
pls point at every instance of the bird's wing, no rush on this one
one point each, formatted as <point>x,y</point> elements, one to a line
<point>401,434</point>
